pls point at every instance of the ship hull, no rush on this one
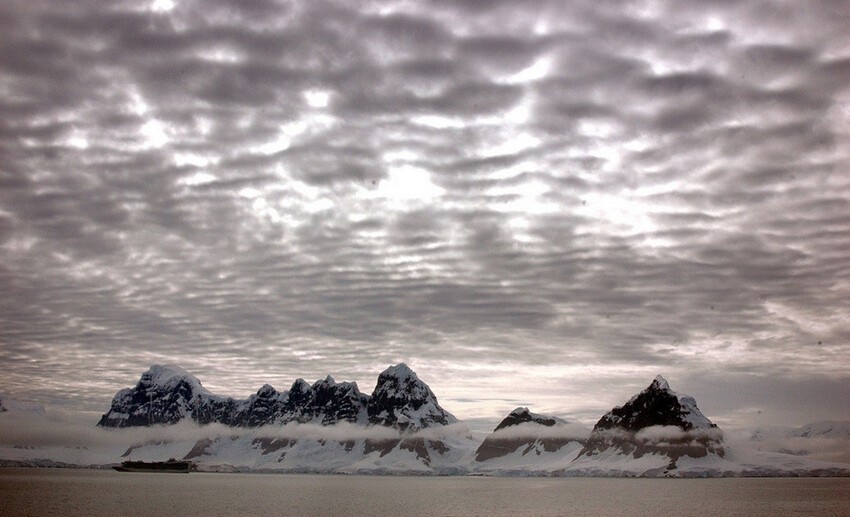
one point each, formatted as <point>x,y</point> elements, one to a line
<point>172,467</point>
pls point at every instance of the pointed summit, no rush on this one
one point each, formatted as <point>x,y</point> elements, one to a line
<point>267,391</point>
<point>660,383</point>
<point>403,401</point>
<point>523,432</point>
<point>167,377</point>
<point>522,414</point>
<point>660,408</point>
<point>656,405</point>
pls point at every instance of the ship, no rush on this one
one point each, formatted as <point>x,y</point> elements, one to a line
<point>170,466</point>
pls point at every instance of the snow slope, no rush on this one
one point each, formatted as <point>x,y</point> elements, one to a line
<point>330,427</point>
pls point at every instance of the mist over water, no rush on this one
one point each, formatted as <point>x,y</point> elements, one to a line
<point>55,430</point>
<point>60,430</point>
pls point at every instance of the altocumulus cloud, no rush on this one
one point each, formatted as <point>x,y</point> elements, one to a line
<point>541,203</point>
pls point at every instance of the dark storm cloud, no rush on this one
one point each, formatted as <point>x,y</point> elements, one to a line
<point>267,190</point>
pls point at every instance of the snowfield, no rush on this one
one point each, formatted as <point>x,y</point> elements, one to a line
<point>356,449</point>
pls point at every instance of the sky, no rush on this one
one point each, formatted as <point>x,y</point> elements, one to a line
<point>531,203</point>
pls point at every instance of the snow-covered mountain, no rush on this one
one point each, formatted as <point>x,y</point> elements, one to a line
<point>323,427</point>
<point>331,427</point>
<point>656,405</point>
<point>826,440</point>
<point>656,421</point>
<point>526,433</point>
<point>403,401</point>
<point>824,429</point>
<point>169,394</point>
<point>341,448</point>
<point>325,402</point>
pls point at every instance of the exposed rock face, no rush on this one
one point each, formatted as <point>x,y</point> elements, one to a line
<point>530,438</point>
<point>403,401</point>
<point>656,405</point>
<point>335,402</point>
<point>168,394</point>
<point>264,407</point>
<point>656,421</point>
<point>522,415</point>
<point>325,402</point>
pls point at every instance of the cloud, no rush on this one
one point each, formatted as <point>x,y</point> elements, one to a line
<point>268,191</point>
<point>532,431</point>
<point>34,430</point>
<point>661,434</point>
<point>778,440</point>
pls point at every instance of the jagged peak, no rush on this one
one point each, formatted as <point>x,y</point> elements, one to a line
<point>402,400</point>
<point>656,405</point>
<point>168,376</point>
<point>300,385</point>
<point>400,371</point>
<point>348,386</point>
<point>266,391</point>
<point>327,381</point>
<point>522,415</point>
<point>401,381</point>
<point>660,383</point>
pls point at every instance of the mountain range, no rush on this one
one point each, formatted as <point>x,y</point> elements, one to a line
<point>169,394</point>
<point>400,428</point>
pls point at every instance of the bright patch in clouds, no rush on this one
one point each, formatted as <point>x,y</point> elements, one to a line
<point>160,6</point>
<point>154,133</point>
<point>539,70</point>
<point>198,178</point>
<point>317,98</point>
<point>406,184</point>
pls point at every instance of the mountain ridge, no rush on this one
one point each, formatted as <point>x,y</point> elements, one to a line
<point>167,394</point>
<point>328,427</point>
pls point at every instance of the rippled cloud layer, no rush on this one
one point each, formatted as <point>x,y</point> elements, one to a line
<point>531,203</point>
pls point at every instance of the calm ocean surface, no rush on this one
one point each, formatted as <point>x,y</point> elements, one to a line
<point>89,492</point>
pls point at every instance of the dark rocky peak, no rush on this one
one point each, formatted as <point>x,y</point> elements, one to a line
<point>334,402</point>
<point>169,379</point>
<point>168,394</point>
<point>163,395</point>
<point>263,408</point>
<point>655,405</point>
<point>522,415</point>
<point>300,386</point>
<point>300,394</point>
<point>403,401</point>
<point>267,392</point>
<point>531,438</point>
<point>327,381</point>
<point>656,421</point>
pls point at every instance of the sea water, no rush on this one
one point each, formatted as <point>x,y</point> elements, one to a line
<point>101,492</point>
